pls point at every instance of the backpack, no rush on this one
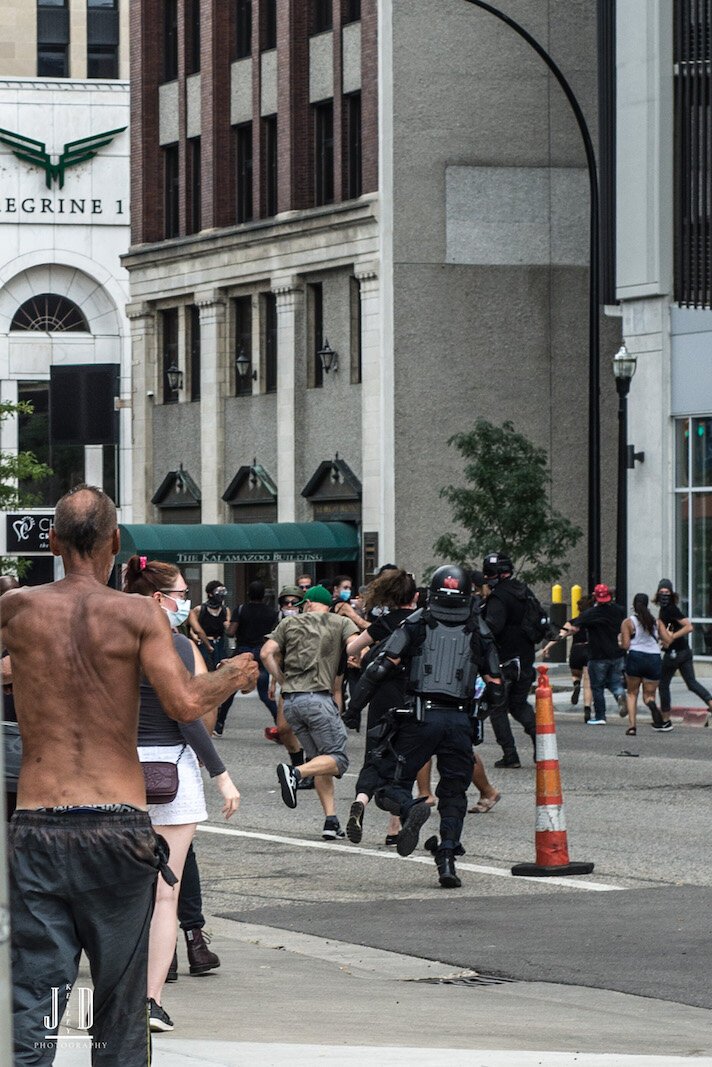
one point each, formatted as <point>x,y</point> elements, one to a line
<point>535,621</point>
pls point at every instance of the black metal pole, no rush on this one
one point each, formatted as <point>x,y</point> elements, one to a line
<point>623,387</point>
<point>594,375</point>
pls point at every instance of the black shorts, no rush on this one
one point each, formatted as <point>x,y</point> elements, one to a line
<point>82,880</point>
<point>578,657</point>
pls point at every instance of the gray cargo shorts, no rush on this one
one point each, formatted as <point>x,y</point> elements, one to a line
<point>316,721</point>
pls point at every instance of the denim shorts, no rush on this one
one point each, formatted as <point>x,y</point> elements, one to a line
<point>647,665</point>
<point>316,721</point>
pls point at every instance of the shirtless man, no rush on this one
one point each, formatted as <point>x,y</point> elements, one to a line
<point>83,856</point>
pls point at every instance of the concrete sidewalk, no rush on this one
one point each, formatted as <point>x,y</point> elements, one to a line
<point>287,998</point>
<point>687,708</point>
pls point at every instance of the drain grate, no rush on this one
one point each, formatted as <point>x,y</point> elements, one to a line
<point>466,980</point>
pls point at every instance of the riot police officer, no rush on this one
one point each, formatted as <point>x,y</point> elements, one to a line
<point>504,613</point>
<point>441,649</point>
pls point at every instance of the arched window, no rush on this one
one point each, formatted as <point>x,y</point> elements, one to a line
<point>49,313</point>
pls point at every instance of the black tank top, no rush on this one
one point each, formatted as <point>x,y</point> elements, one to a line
<point>255,621</point>
<point>213,625</point>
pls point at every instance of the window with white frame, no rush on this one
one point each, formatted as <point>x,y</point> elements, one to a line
<point>693,526</point>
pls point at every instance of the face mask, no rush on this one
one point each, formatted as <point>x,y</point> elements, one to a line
<point>492,582</point>
<point>345,594</point>
<point>664,599</point>
<point>289,611</point>
<point>178,617</point>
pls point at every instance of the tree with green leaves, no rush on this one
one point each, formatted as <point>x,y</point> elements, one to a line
<point>18,471</point>
<point>505,506</point>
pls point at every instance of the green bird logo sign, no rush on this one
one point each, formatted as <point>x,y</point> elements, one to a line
<point>35,152</point>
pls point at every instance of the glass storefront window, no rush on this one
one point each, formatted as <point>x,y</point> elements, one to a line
<point>701,545</point>
<point>701,441</point>
<point>66,461</point>
<point>701,640</point>
<point>682,544</point>
<point>693,526</point>
<point>682,452</point>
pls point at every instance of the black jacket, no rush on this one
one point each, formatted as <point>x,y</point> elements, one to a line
<point>603,624</point>
<point>504,611</point>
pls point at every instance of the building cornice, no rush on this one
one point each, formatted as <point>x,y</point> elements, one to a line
<point>65,84</point>
<point>290,225</point>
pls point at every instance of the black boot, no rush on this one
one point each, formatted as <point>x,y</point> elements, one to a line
<point>200,958</point>
<point>445,863</point>
<point>511,760</point>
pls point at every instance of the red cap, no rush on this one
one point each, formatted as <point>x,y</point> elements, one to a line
<point>602,594</point>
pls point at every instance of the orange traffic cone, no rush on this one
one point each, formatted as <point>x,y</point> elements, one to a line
<point>552,852</point>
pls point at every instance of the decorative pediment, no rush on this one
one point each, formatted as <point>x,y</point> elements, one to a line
<point>177,490</point>
<point>251,486</point>
<point>332,480</point>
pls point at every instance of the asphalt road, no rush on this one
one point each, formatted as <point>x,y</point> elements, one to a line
<point>639,924</point>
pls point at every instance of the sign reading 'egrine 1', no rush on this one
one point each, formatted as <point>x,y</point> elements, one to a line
<point>16,207</point>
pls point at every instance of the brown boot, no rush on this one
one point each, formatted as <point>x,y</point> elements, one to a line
<point>200,958</point>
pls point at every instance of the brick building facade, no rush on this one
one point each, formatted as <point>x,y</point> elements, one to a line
<point>254,238</point>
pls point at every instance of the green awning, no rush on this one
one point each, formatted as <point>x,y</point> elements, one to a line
<point>259,542</point>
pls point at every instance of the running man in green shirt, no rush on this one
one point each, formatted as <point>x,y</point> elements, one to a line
<point>302,654</point>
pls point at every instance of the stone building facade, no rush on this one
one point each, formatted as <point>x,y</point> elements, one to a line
<point>664,289</point>
<point>64,224</point>
<point>407,185</point>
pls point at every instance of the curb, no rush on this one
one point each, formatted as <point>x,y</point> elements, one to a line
<point>690,716</point>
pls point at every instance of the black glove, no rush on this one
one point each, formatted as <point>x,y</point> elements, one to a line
<point>494,695</point>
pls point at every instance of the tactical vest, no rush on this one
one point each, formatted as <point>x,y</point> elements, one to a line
<point>444,664</point>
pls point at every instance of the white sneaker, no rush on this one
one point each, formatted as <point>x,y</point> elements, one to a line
<point>596,722</point>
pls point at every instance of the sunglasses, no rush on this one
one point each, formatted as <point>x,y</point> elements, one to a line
<point>290,603</point>
<point>304,587</point>
<point>180,593</point>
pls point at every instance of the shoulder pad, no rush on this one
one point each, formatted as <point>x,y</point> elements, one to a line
<point>397,642</point>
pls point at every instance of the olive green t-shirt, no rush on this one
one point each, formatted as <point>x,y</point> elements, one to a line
<point>311,647</point>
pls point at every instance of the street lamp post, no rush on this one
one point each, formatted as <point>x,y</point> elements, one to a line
<point>594,424</point>
<point>623,370</point>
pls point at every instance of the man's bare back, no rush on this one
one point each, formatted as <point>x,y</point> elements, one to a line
<point>78,650</point>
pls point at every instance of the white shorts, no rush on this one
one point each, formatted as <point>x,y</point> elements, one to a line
<point>189,804</point>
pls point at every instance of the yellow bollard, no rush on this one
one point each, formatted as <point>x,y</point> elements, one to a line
<point>557,617</point>
<point>576,594</point>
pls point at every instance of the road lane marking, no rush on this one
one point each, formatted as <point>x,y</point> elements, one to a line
<point>355,850</point>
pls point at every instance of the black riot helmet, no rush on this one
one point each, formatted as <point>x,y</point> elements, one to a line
<point>495,566</point>
<point>450,593</point>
